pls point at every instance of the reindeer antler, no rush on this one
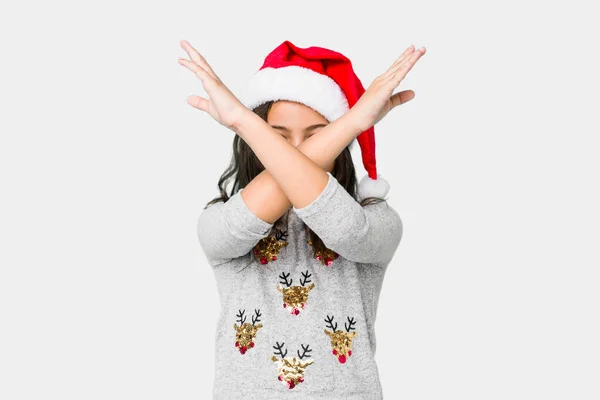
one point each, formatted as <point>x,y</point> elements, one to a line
<point>304,351</point>
<point>280,234</point>
<point>241,316</point>
<point>330,325</point>
<point>279,348</point>
<point>258,314</point>
<point>349,326</point>
<point>305,278</point>
<point>284,277</point>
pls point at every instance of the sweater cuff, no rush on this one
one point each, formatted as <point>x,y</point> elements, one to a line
<point>245,217</point>
<point>322,199</point>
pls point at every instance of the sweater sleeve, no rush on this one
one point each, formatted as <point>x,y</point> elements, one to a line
<point>229,230</point>
<point>369,234</point>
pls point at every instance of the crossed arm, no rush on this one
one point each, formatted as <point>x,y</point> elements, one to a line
<point>293,176</point>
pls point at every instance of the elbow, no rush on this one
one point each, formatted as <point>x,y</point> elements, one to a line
<point>371,245</point>
<point>391,242</point>
<point>392,237</point>
<point>206,240</point>
<point>220,243</point>
<point>212,245</point>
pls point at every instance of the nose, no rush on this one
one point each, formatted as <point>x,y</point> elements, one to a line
<point>296,141</point>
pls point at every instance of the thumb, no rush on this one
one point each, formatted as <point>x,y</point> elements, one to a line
<point>198,102</point>
<point>402,97</point>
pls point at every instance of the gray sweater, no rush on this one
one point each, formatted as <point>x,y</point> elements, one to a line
<point>294,328</point>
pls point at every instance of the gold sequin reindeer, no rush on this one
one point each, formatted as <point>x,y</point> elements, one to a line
<point>267,248</point>
<point>341,341</point>
<point>295,297</point>
<point>246,332</point>
<point>290,371</point>
<point>326,256</point>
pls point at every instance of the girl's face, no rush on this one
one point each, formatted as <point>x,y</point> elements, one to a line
<point>294,121</point>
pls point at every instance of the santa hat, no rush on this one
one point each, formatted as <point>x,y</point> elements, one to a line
<point>323,80</point>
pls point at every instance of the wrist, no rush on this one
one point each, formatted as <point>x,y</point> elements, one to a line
<point>245,116</point>
<point>354,122</point>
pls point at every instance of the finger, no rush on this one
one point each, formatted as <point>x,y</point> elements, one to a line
<point>410,60</point>
<point>402,69</point>
<point>402,97</point>
<point>198,102</point>
<point>398,61</point>
<point>205,77</point>
<point>197,58</point>
<point>403,56</point>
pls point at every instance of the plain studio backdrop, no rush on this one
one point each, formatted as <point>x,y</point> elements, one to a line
<point>104,290</point>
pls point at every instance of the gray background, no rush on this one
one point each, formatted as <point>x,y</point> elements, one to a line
<point>104,169</point>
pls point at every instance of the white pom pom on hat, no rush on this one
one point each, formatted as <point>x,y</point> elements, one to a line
<point>368,187</point>
<point>323,80</point>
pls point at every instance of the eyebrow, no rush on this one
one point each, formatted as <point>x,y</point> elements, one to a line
<point>307,129</point>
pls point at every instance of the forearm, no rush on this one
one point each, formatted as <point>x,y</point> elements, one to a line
<point>293,175</point>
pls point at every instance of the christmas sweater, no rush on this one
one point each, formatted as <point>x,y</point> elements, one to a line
<point>293,325</point>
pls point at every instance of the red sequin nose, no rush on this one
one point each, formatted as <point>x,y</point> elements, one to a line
<point>342,358</point>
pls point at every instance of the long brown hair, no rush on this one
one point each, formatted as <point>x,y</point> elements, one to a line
<point>245,166</point>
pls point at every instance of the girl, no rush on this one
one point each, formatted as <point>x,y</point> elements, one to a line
<point>298,249</point>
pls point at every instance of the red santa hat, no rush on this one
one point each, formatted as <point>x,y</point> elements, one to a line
<point>323,80</point>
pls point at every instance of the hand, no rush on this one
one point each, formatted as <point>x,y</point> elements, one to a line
<point>222,105</point>
<point>378,100</point>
